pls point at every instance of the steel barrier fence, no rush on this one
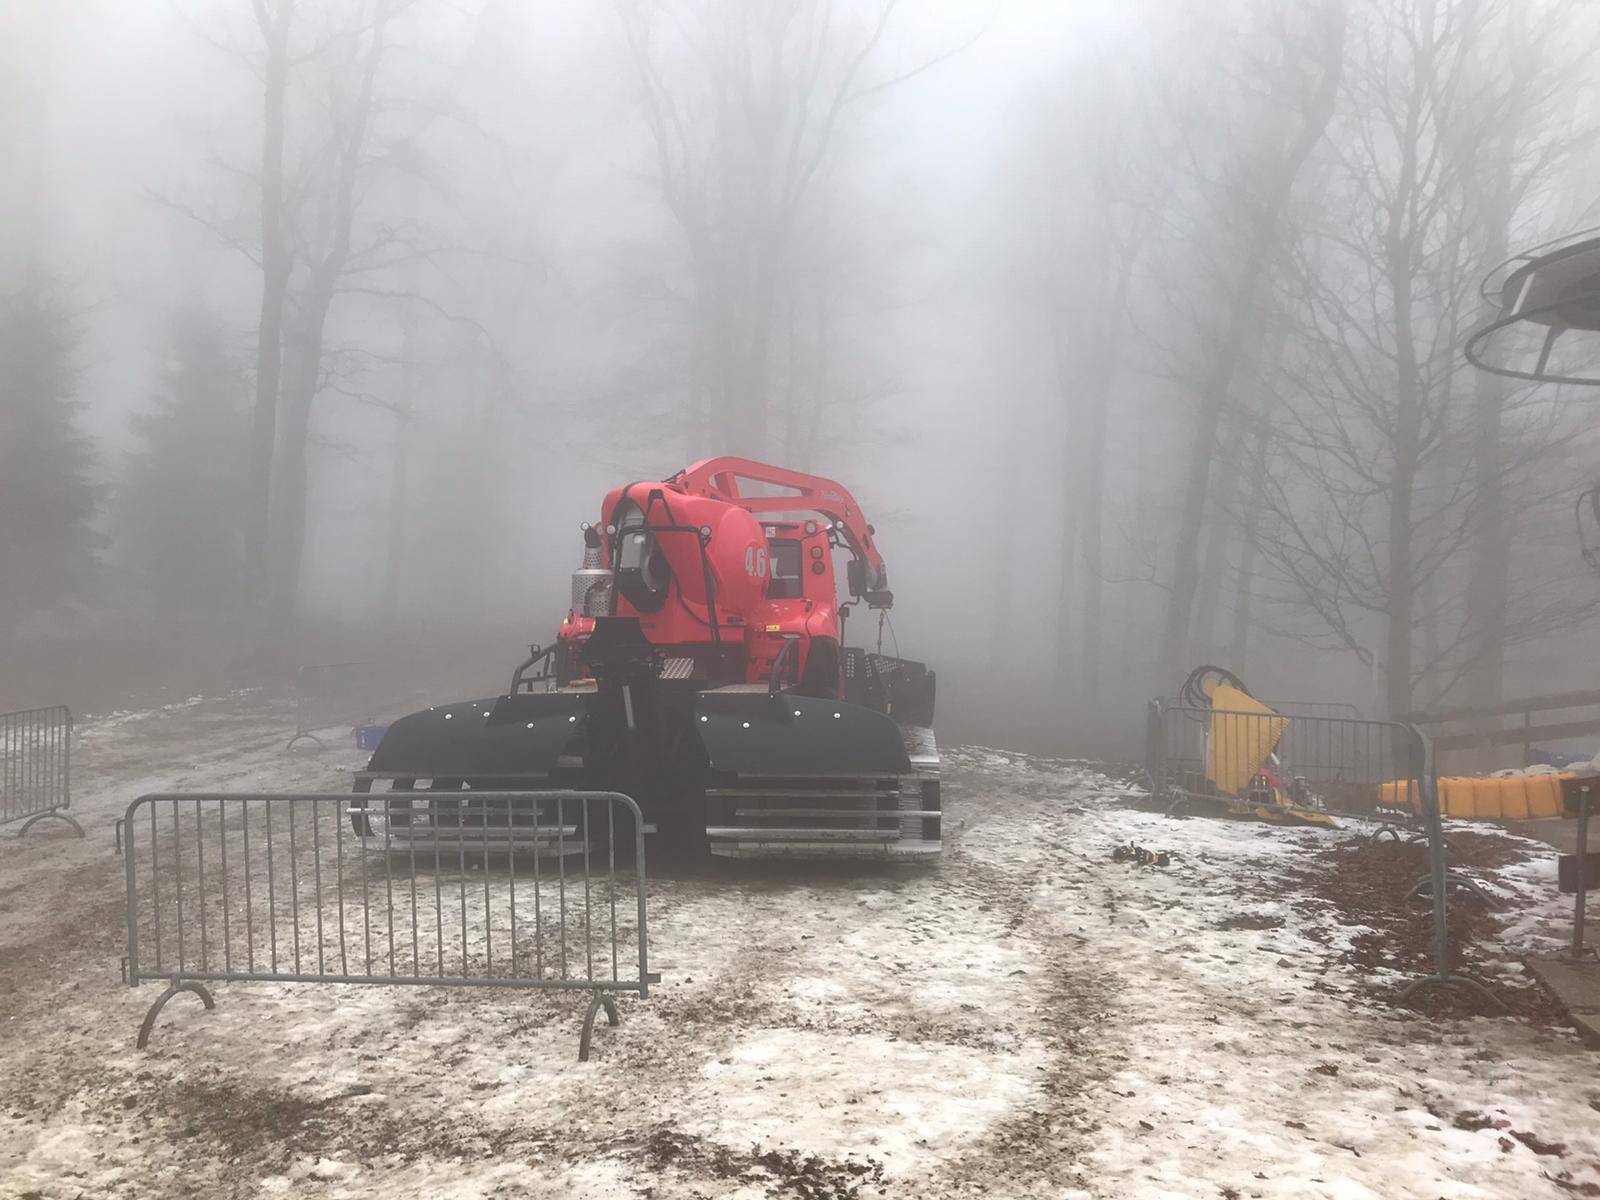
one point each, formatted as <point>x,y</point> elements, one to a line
<point>1294,708</point>
<point>1315,708</point>
<point>312,888</point>
<point>1340,765</point>
<point>36,766</point>
<point>1366,770</point>
<point>327,694</point>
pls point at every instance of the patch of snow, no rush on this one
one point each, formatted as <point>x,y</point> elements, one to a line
<point>1023,1018</point>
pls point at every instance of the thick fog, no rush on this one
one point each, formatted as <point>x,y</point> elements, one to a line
<point>1136,328</point>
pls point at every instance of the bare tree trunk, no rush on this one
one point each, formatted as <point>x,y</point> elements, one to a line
<point>1098,401</point>
<point>1489,569</point>
<point>306,379</point>
<point>1068,558</point>
<point>1219,532</point>
<point>749,399</point>
<point>275,269</point>
<point>395,550</point>
<point>1070,465</point>
<point>1214,391</point>
<point>1002,633</point>
<point>1092,520</point>
<point>399,462</point>
<point>770,131</point>
<point>1401,590</point>
<point>1239,643</point>
<point>289,491</point>
<point>1401,267</point>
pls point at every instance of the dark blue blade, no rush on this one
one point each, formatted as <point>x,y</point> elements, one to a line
<point>756,734</point>
<point>506,735</point>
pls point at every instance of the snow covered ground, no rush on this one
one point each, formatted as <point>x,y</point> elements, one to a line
<point>1024,1018</point>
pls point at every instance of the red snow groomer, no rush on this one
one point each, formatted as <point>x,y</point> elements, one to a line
<point>702,670</point>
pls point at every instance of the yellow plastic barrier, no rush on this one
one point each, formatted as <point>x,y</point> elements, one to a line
<point>1457,797</point>
<point>1544,795</point>
<point>1514,798</point>
<point>1239,745</point>
<point>1494,798</point>
<point>1399,793</point>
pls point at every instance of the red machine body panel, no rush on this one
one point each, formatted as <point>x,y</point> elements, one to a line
<point>743,569</point>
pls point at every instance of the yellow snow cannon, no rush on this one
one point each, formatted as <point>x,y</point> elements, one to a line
<point>1241,754</point>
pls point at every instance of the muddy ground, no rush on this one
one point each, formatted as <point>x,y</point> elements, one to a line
<point>1026,1017</point>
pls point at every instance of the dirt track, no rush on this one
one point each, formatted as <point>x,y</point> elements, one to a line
<point>1025,1018</point>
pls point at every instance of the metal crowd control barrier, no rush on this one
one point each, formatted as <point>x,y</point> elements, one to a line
<point>1438,882</point>
<point>327,694</point>
<point>1344,766</point>
<point>312,888</point>
<point>36,766</point>
<point>1293,708</point>
<point>1365,770</point>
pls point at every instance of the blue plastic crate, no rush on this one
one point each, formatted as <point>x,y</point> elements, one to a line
<point>368,736</point>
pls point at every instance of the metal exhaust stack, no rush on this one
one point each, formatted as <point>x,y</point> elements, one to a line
<point>592,582</point>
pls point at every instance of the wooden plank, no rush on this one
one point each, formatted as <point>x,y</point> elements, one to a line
<point>1576,985</point>
<point>1516,737</point>
<point>1509,708</point>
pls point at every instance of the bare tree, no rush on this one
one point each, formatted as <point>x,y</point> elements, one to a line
<point>748,107</point>
<point>178,508</point>
<point>48,499</point>
<point>333,230</point>
<point>1309,71</point>
<point>344,164</point>
<point>1372,498</point>
<point>275,24</point>
<point>1084,240</point>
<point>1527,120</point>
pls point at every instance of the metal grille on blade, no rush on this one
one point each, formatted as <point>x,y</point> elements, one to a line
<point>676,668</point>
<point>825,816</point>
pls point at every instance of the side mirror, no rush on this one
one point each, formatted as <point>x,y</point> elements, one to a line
<point>856,577</point>
<point>883,598</point>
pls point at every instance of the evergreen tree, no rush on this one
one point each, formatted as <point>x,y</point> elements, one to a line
<point>179,510</point>
<point>47,499</point>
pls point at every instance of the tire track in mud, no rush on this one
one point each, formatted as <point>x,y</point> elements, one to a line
<point>73,923</point>
<point>219,1125</point>
<point>59,952</point>
<point>747,997</point>
<point>655,1062</point>
<point>197,1114</point>
<point>1037,1148</point>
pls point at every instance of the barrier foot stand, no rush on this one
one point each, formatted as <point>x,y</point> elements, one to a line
<point>1451,979</point>
<point>1455,882</point>
<point>173,988</point>
<point>1418,837</point>
<point>600,999</point>
<point>37,817</point>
